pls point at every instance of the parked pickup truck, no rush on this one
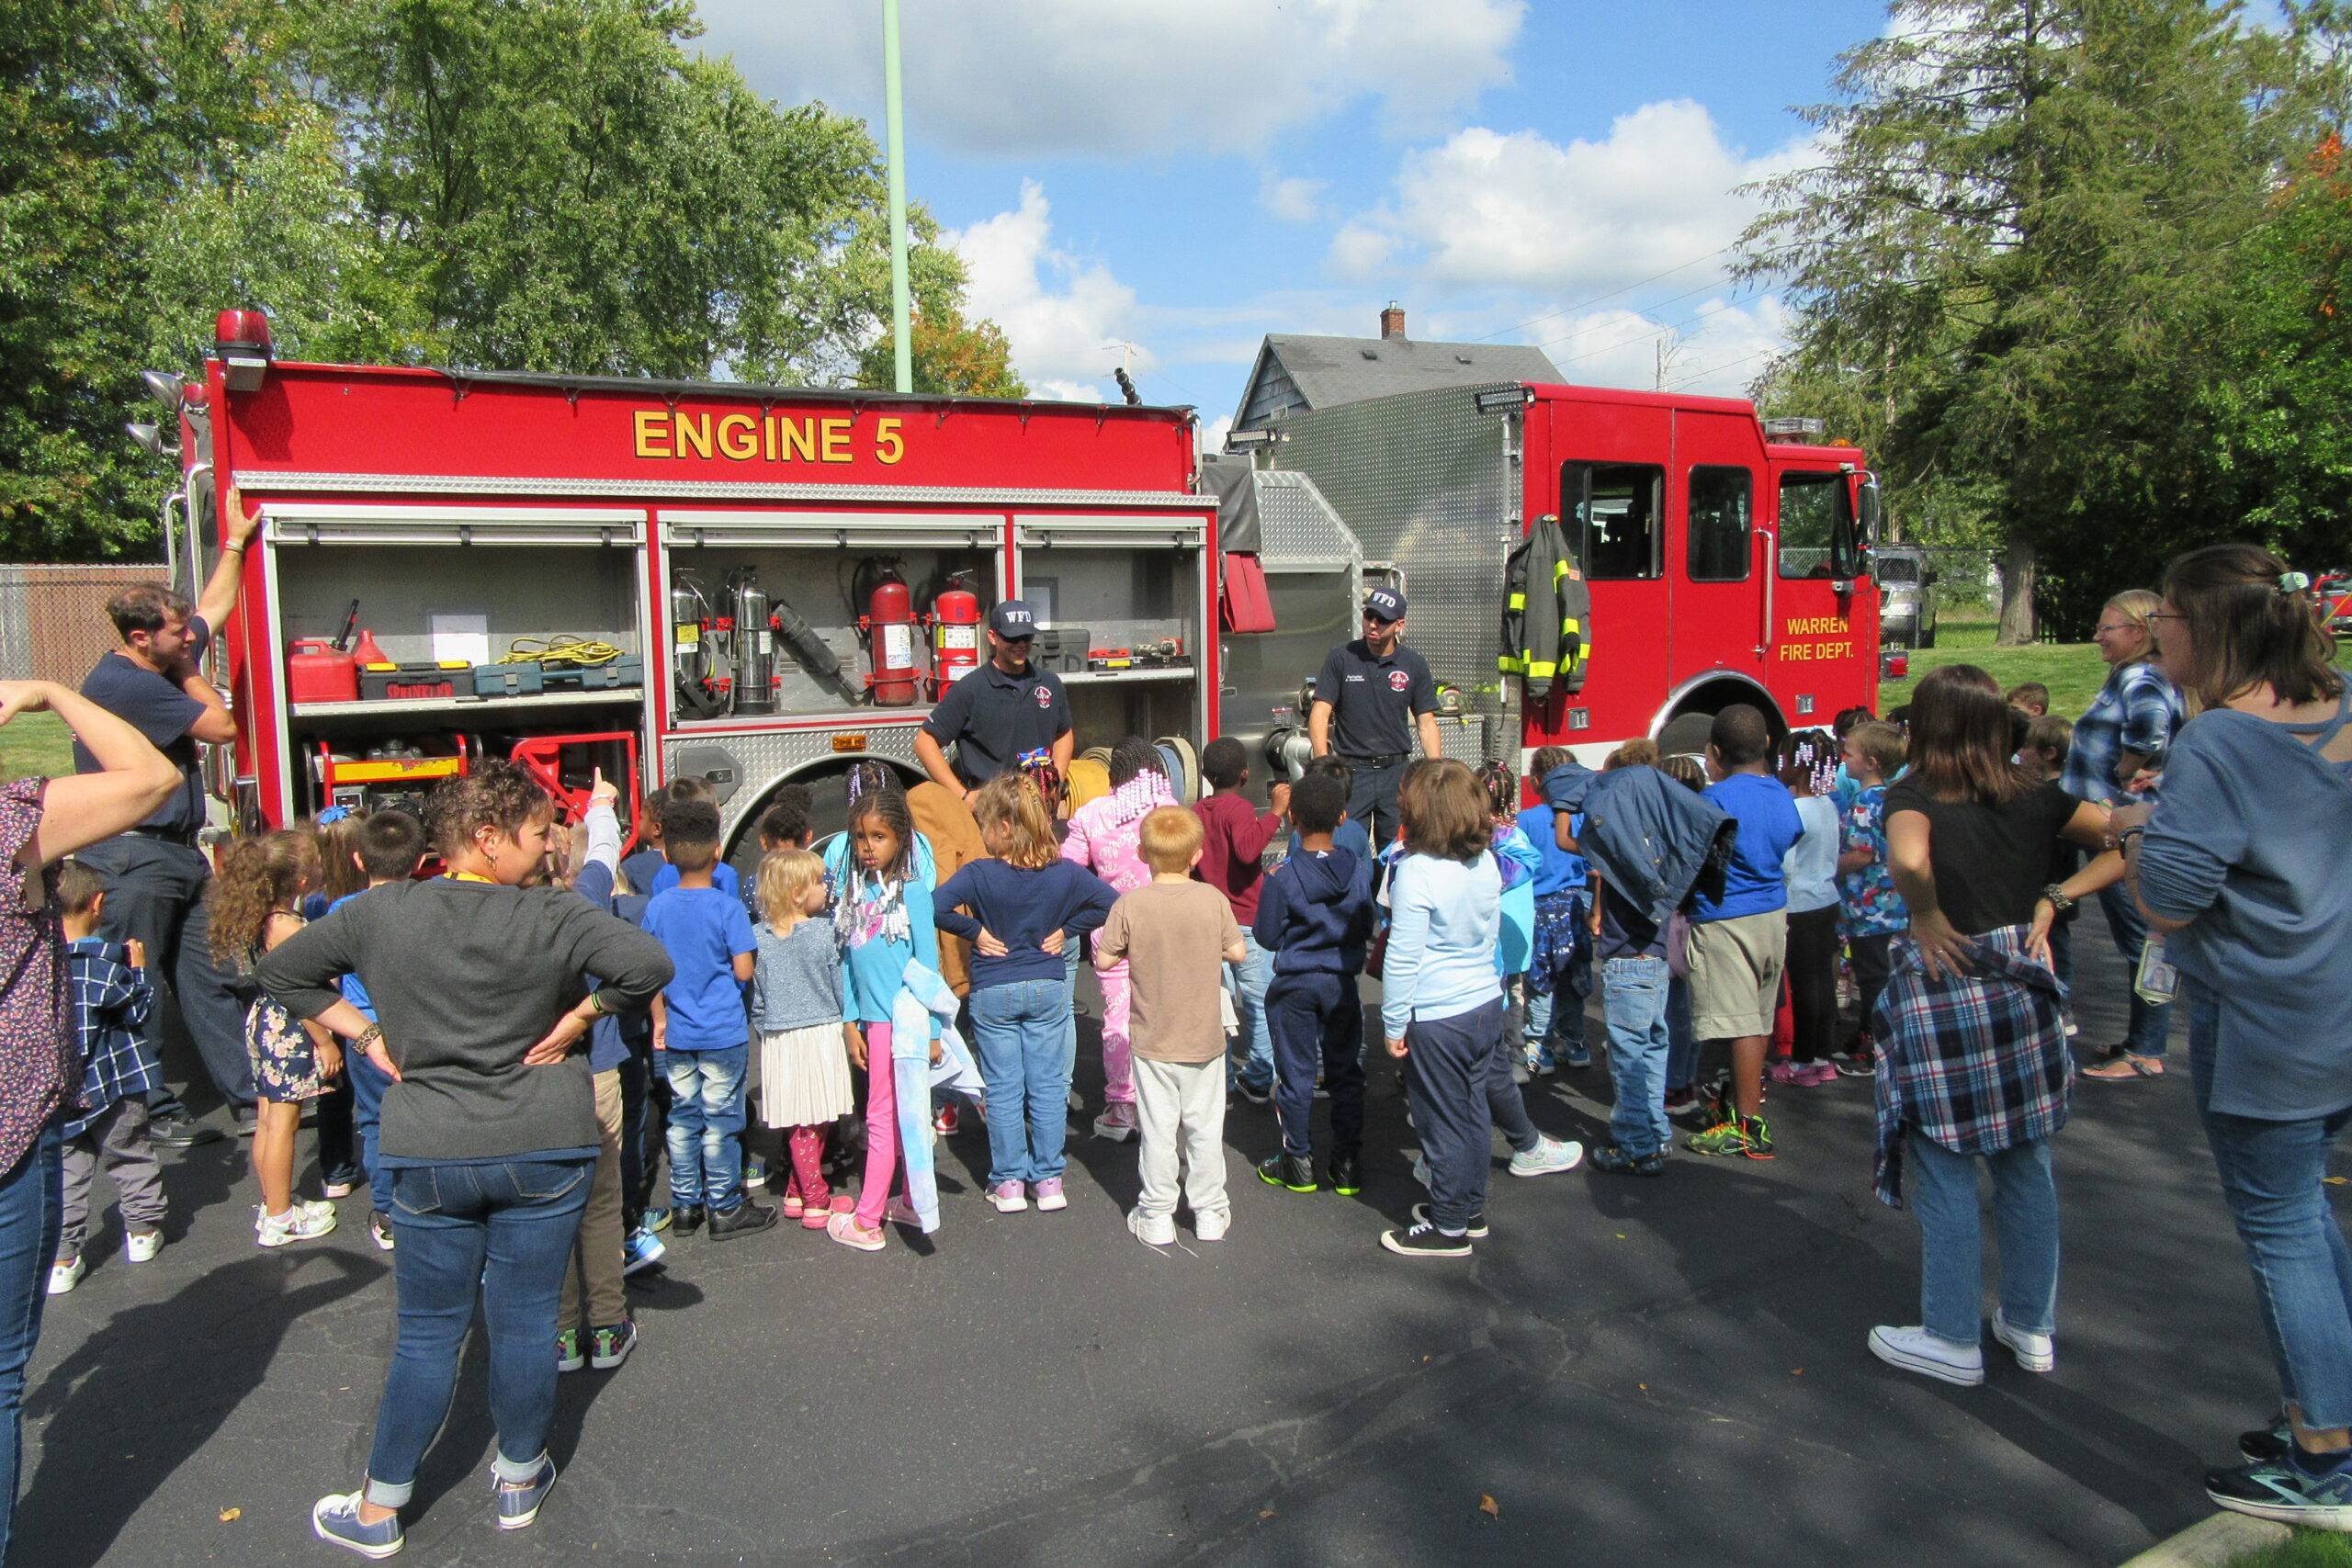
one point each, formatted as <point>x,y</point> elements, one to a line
<point>1906,612</point>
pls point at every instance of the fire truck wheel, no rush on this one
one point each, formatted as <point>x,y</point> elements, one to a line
<point>1686,735</point>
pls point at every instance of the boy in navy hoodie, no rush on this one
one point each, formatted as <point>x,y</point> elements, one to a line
<point>1315,915</point>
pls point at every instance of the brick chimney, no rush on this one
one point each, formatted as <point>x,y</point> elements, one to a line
<point>1392,321</point>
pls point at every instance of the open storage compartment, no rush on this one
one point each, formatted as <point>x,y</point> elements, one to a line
<point>1120,606</point>
<point>824,569</point>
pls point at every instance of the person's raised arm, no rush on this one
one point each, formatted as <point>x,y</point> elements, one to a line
<point>83,808</point>
<point>219,599</point>
<point>947,906</point>
<point>1941,949</point>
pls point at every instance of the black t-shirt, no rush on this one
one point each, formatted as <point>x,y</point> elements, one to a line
<point>1625,930</point>
<point>1374,700</point>
<point>155,707</point>
<point>992,718</point>
<point>1991,861</point>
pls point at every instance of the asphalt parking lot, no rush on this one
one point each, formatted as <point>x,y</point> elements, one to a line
<point>1628,1371</point>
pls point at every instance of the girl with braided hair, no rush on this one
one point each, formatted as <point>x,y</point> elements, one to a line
<point>1103,838</point>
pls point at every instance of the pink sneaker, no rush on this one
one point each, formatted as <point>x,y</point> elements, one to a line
<point>1117,1121</point>
<point>898,1212</point>
<point>843,1228</point>
<point>1785,1071</point>
<point>1049,1194</point>
<point>1814,1074</point>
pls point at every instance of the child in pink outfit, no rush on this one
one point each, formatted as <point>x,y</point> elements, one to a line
<point>1102,835</point>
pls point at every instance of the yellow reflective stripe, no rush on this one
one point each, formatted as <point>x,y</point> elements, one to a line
<point>1517,602</point>
<point>1539,670</point>
<point>1510,666</point>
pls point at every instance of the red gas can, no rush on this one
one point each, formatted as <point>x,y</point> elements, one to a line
<point>318,672</point>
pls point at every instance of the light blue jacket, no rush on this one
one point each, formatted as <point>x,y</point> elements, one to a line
<point>1444,921</point>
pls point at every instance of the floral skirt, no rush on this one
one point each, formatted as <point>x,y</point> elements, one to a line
<point>285,1064</point>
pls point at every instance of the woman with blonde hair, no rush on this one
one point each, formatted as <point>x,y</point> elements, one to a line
<point>2126,732</point>
<point>1019,908</point>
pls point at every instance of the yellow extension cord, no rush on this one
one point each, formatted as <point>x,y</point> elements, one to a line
<point>561,648</point>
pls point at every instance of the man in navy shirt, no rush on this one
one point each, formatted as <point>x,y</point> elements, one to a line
<point>999,714</point>
<point>154,873</point>
<point>1372,701</point>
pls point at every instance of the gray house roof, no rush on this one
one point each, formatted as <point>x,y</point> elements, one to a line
<point>1295,372</point>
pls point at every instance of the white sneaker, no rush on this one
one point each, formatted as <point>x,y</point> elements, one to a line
<point>1916,1350</point>
<point>140,1246</point>
<point>296,1223</point>
<point>318,1208</point>
<point>1152,1230</point>
<point>2035,1352</point>
<point>1211,1227</point>
<point>66,1274</point>
<point>1548,1156</point>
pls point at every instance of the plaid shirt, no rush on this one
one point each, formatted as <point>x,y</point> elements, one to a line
<point>1978,1062</point>
<point>109,1001</point>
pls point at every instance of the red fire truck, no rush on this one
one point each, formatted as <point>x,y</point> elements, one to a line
<point>1725,556</point>
<point>657,579</point>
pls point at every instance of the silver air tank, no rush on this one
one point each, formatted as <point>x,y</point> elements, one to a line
<point>754,646</point>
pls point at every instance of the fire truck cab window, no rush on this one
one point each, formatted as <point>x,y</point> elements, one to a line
<point>1816,528</point>
<point>1619,503</point>
<point>1720,501</point>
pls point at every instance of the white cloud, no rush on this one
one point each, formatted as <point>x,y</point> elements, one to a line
<point>1213,433</point>
<point>1134,78</point>
<point>1058,310</point>
<point>1484,208</point>
<point>1292,200</point>
<point>1715,346</point>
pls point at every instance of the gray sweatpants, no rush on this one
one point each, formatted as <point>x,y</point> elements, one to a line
<point>1180,1108</point>
<point>117,1140</point>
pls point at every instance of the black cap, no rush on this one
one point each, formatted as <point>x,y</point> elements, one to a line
<point>1013,619</point>
<point>1384,602</point>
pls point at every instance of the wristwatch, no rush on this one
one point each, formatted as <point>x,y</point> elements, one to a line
<point>2059,898</point>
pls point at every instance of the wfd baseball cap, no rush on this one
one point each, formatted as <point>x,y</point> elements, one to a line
<point>1384,602</point>
<point>1013,619</point>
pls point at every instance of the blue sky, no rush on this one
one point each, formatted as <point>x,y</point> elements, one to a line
<point>1186,176</point>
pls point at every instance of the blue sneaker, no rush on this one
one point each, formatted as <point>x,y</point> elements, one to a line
<point>640,1249</point>
<point>655,1221</point>
<point>336,1520</point>
<point>1576,1056</point>
<point>518,1505</point>
<point>2284,1491</point>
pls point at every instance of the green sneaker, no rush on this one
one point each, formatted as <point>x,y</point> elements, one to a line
<point>568,1357</point>
<point>1749,1137</point>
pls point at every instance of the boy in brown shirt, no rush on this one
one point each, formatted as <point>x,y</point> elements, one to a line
<point>1176,935</point>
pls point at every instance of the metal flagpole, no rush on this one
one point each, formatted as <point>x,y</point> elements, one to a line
<point>901,307</point>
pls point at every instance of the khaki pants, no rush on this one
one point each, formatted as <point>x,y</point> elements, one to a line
<point>596,1260</point>
<point>1735,974</point>
<point>1180,1108</point>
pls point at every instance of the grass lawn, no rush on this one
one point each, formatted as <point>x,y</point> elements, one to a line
<point>35,743</point>
<point>2305,1548</point>
<point>2073,670</point>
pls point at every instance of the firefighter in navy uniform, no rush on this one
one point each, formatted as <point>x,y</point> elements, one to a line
<point>1374,702</point>
<point>1001,715</point>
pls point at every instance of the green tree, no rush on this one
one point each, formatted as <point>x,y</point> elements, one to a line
<point>2283,418</point>
<point>951,356</point>
<point>2014,262</point>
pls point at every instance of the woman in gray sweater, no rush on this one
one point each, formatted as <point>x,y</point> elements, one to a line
<point>490,1135</point>
<point>2247,862</point>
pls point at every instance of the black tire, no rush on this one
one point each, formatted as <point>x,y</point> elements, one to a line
<point>1686,735</point>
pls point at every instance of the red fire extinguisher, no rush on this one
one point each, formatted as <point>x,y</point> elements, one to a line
<point>956,635</point>
<point>889,627</point>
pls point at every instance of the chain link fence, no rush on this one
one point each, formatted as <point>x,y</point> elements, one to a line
<point>53,623</point>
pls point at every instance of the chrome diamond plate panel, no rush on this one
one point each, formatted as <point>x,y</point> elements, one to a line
<point>1301,530</point>
<point>1431,486</point>
<point>766,758</point>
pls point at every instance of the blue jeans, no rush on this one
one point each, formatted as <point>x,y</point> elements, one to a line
<point>1253,1063</point>
<point>2150,1020</point>
<point>1682,1055</point>
<point>2271,1174</point>
<point>706,1125</point>
<point>1073,946</point>
<point>1025,1055</point>
<point>31,1211</point>
<point>1633,998</point>
<point>520,1217</point>
<point>1542,1017</point>
<point>1952,1240</point>
<point>368,1086</point>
